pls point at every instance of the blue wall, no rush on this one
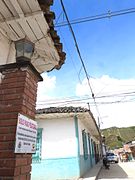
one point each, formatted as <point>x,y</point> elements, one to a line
<point>52,169</point>
<point>84,164</point>
<point>64,168</point>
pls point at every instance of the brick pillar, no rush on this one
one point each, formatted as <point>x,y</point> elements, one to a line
<point>18,89</point>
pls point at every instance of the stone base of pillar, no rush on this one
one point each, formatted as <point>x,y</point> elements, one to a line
<point>18,89</point>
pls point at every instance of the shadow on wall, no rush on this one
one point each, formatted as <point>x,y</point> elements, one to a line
<point>115,172</point>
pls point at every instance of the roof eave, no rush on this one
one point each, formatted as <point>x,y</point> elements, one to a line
<point>50,16</point>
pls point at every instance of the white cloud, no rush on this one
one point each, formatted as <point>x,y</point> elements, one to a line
<point>119,114</point>
<point>122,113</point>
<point>46,87</point>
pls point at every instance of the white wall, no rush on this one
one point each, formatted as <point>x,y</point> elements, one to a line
<point>7,51</point>
<point>59,139</point>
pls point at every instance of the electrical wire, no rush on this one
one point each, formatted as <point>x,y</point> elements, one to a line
<point>80,56</point>
<point>57,20</point>
<point>109,14</point>
<point>78,74</point>
<point>77,47</point>
<point>84,100</point>
<point>104,96</point>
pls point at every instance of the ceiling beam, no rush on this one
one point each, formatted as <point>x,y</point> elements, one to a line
<point>17,7</point>
<point>22,17</point>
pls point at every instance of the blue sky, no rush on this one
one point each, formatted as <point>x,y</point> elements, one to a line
<point>107,47</point>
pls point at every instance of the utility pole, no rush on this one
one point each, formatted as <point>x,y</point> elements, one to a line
<point>101,145</point>
<point>100,137</point>
<point>98,123</point>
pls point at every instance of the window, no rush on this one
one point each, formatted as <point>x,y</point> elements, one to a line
<point>90,151</point>
<point>37,156</point>
<point>85,146</point>
<point>93,152</point>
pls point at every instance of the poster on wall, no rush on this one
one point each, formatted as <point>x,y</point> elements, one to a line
<point>26,134</point>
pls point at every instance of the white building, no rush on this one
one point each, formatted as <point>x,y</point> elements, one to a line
<point>68,143</point>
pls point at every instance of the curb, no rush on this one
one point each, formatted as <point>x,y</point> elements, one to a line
<point>98,172</point>
<point>93,173</point>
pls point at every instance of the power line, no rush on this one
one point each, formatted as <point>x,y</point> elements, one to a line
<point>127,94</point>
<point>118,95</point>
<point>56,22</point>
<point>109,14</point>
<point>77,47</point>
<point>84,100</point>
<point>78,74</point>
<point>79,53</point>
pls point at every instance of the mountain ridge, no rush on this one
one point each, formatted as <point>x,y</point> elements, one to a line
<point>115,137</point>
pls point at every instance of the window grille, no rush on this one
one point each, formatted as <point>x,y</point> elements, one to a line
<point>85,145</point>
<point>37,156</point>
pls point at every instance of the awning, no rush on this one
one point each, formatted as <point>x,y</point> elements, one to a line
<point>25,19</point>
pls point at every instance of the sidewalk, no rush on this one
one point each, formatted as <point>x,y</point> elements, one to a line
<point>92,173</point>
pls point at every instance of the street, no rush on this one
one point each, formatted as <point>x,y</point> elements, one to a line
<point>118,171</point>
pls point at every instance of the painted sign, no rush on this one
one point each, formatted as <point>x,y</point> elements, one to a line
<point>26,134</point>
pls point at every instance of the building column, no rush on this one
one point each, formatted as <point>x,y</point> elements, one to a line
<point>18,89</point>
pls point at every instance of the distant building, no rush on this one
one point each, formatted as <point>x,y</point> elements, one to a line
<point>131,147</point>
<point>68,143</point>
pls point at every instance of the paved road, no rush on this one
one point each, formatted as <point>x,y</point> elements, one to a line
<point>118,171</point>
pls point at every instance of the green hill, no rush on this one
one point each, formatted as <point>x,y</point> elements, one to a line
<point>116,137</point>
